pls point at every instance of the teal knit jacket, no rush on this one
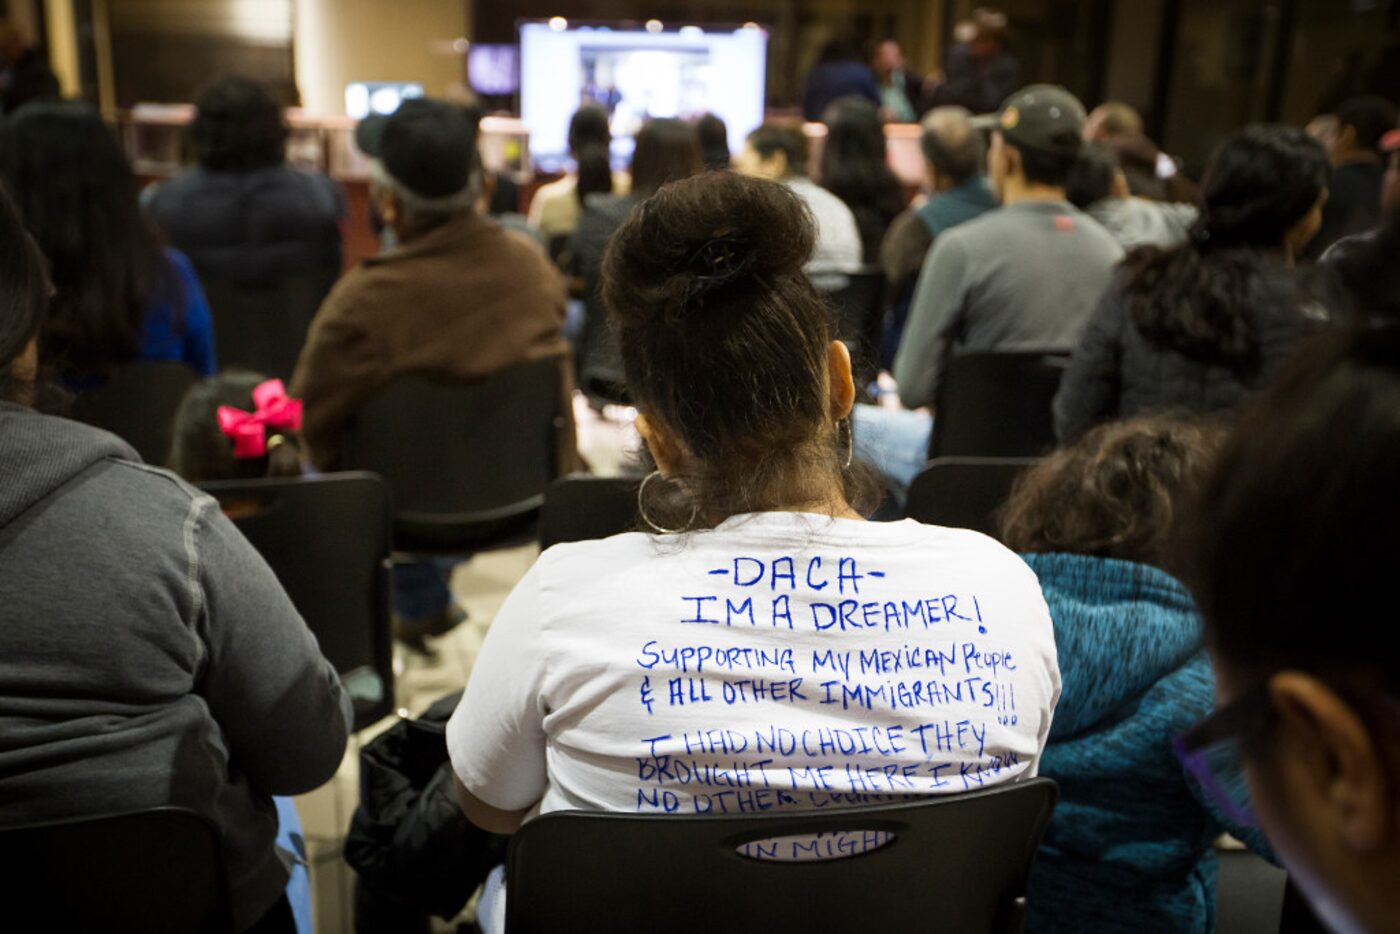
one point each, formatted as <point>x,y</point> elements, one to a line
<point>1129,847</point>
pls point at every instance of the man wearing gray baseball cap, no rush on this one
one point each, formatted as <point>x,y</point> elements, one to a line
<point>1024,276</point>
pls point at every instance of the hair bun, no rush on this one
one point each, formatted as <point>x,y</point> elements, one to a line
<point>705,239</point>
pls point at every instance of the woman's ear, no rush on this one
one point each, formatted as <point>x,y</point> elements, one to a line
<point>843,387</point>
<point>663,450</point>
<point>1344,777</point>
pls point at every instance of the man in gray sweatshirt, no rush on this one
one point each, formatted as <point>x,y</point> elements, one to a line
<point>148,656</point>
<point>1023,277</point>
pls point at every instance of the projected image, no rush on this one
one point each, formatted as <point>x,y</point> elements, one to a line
<point>636,84</point>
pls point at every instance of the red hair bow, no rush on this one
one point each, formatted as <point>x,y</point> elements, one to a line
<point>248,430</point>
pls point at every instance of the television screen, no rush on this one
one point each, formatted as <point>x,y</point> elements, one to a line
<point>363,98</point>
<point>636,75</point>
<point>494,70</point>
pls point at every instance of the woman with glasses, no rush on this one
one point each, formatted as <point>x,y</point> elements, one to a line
<point>1129,846</point>
<point>1295,558</point>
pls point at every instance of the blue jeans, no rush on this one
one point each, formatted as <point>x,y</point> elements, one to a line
<point>894,442</point>
<point>421,590</point>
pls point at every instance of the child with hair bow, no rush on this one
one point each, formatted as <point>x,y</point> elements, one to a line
<point>237,426</point>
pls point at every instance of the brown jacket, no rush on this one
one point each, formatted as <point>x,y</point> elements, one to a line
<point>465,299</point>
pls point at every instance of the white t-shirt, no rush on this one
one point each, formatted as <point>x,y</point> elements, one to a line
<point>838,249</point>
<point>780,660</point>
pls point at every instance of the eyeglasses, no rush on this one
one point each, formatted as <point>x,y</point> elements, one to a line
<point>1211,752</point>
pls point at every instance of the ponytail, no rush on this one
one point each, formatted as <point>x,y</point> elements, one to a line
<point>594,170</point>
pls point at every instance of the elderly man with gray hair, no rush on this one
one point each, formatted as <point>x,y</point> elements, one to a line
<point>955,161</point>
<point>458,296</point>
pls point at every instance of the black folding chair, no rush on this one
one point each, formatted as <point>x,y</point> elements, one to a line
<point>328,541</point>
<point>964,492</point>
<point>581,507</point>
<point>468,463</point>
<point>261,326</point>
<point>598,359</point>
<point>956,863</point>
<point>138,403</point>
<point>859,314</point>
<point>154,871</point>
<point>997,404</point>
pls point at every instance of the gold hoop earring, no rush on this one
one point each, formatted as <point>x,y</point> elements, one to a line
<point>642,509</point>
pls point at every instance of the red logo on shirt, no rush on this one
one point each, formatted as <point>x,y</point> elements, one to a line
<point>1064,224</point>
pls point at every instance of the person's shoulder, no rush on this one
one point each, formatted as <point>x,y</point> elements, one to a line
<point>181,265</point>
<point>584,564</point>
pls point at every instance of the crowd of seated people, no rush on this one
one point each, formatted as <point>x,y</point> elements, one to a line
<point>1227,431</point>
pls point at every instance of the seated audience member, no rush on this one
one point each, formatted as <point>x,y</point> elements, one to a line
<point>779,153</point>
<point>1151,173</point>
<point>1293,556</point>
<point>1130,843</point>
<point>983,73</point>
<point>855,168</point>
<point>118,296</point>
<point>458,297</point>
<point>666,150</point>
<point>744,401</point>
<point>1098,187</point>
<point>1198,326</point>
<point>839,73</point>
<point>1023,277</point>
<point>1358,169</point>
<point>148,656</point>
<point>901,91</point>
<point>555,208</point>
<point>243,214</point>
<point>714,142</point>
<point>237,426</point>
<point>25,74</point>
<point>955,162</point>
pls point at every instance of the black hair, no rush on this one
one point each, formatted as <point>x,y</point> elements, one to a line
<point>1200,298</point>
<point>724,342</point>
<point>77,195</point>
<point>774,137</point>
<point>1091,179</point>
<point>1293,533</point>
<point>854,167</point>
<point>238,127</point>
<point>1045,166</point>
<point>840,49</point>
<point>667,150</point>
<point>714,142</point>
<point>1371,117</point>
<point>201,452</point>
<point>590,142</point>
<point>1366,269</point>
<point>24,297</point>
<point>958,157</point>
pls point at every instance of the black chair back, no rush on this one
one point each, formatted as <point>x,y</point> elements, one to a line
<point>955,863</point>
<point>859,314</point>
<point>137,403</point>
<point>964,492</point>
<point>152,871</point>
<point>328,541</point>
<point>997,405</point>
<point>468,462</point>
<point>598,358</point>
<point>581,507</point>
<point>261,326</point>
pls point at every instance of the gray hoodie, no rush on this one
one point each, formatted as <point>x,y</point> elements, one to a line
<point>1136,222</point>
<point>148,655</point>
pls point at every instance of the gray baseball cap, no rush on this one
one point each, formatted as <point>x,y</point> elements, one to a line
<point>1043,116</point>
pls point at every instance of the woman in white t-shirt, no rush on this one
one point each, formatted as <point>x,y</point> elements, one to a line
<point>555,208</point>
<point>765,646</point>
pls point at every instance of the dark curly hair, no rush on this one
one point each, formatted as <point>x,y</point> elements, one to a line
<point>238,127</point>
<point>724,342</point>
<point>1199,298</point>
<point>1115,493</point>
<point>200,451</point>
